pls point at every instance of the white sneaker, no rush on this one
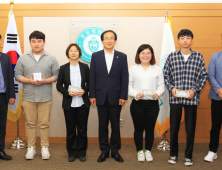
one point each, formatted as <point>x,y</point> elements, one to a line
<point>188,162</point>
<point>210,156</point>
<point>148,156</point>
<point>141,156</point>
<point>30,153</point>
<point>45,152</point>
<point>172,160</point>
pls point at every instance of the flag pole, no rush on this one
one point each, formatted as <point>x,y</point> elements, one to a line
<point>17,143</point>
<point>163,144</point>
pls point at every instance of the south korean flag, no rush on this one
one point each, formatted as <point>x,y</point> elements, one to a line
<point>13,49</point>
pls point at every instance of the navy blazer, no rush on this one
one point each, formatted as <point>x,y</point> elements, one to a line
<point>64,79</point>
<point>8,75</point>
<point>114,84</point>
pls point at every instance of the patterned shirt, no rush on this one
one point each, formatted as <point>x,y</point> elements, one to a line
<point>182,75</point>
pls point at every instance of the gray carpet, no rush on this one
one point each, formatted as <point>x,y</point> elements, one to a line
<point>59,159</point>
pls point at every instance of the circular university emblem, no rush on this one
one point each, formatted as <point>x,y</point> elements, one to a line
<point>89,41</point>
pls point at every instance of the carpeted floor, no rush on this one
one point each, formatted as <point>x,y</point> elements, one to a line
<point>59,159</point>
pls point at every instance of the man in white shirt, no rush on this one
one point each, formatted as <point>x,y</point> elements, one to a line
<point>108,90</point>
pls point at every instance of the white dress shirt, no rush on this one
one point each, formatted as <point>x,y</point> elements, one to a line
<point>109,60</point>
<point>75,78</point>
<point>139,79</point>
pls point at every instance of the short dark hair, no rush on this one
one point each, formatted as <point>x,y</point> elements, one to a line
<point>185,32</point>
<point>78,48</point>
<point>37,35</point>
<point>102,35</point>
<point>140,49</point>
<point>0,36</point>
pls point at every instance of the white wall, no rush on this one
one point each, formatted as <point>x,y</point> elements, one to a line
<point>132,32</point>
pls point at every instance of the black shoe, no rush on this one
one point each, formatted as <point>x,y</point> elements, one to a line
<point>72,158</point>
<point>117,157</point>
<point>82,158</point>
<point>4,156</point>
<point>102,158</point>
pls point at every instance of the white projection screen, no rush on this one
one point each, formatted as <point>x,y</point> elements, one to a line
<point>60,32</point>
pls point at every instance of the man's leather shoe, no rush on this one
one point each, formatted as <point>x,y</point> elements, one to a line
<point>82,158</point>
<point>72,159</point>
<point>102,158</point>
<point>4,156</point>
<point>117,157</point>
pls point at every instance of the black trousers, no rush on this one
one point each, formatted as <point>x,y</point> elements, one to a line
<point>3,119</point>
<point>216,117</point>
<point>76,127</point>
<point>144,114</point>
<point>107,113</point>
<point>190,125</point>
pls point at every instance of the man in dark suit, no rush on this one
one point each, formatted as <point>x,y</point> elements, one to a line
<point>7,95</point>
<point>108,88</point>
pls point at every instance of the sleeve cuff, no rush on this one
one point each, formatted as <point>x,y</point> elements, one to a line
<point>17,77</point>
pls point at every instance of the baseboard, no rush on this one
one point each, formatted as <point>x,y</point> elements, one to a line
<point>123,140</point>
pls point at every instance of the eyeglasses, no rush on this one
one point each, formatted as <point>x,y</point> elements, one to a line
<point>145,54</point>
<point>107,38</point>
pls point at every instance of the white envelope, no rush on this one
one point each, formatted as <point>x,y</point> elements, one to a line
<point>37,76</point>
<point>74,88</point>
<point>148,92</point>
<point>182,93</point>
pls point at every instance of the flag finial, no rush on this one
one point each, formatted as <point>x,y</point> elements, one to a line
<point>12,3</point>
<point>166,14</point>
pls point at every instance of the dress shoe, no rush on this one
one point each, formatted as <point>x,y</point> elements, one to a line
<point>82,158</point>
<point>102,158</point>
<point>117,157</point>
<point>72,158</point>
<point>4,156</point>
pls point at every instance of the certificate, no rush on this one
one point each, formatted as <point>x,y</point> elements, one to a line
<point>37,76</point>
<point>74,89</point>
<point>181,93</point>
<point>148,92</point>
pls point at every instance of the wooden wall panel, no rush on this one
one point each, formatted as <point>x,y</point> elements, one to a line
<point>203,19</point>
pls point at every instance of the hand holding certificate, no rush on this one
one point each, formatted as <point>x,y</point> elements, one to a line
<point>37,76</point>
<point>148,92</point>
<point>181,93</point>
<point>74,89</point>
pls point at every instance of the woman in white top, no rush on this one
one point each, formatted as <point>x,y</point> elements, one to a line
<point>75,103</point>
<point>146,84</point>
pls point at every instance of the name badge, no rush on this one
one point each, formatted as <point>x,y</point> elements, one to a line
<point>181,93</point>
<point>74,88</point>
<point>37,76</point>
<point>148,92</point>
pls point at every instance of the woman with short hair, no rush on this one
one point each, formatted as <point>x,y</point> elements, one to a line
<point>75,103</point>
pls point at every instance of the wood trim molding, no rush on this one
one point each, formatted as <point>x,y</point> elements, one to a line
<point>123,140</point>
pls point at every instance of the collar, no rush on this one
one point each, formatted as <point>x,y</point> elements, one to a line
<point>105,52</point>
<point>76,67</point>
<point>32,55</point>
<point>179,52</point>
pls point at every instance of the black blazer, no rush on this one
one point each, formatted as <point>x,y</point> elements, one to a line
<point>8,75</point>
<point>64,79</point>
